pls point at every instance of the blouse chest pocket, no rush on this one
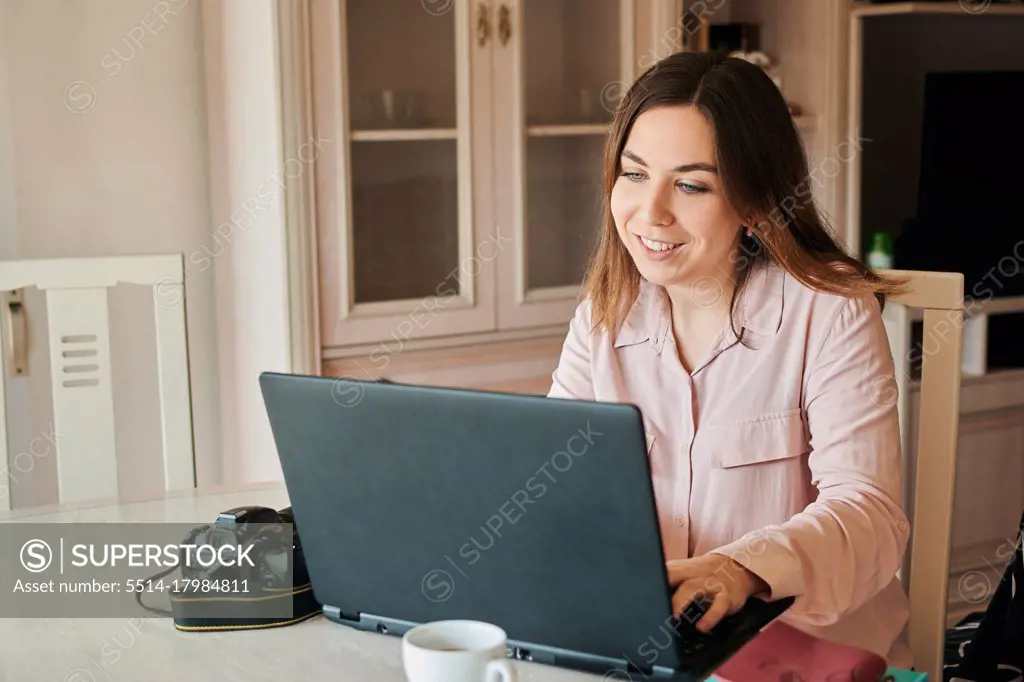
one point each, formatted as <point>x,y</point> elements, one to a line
<point>768,438</point>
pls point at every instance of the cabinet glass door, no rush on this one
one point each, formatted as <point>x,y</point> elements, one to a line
<point>396,81</point>
<point>560,76</point>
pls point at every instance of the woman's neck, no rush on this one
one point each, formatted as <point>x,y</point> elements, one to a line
<point>699,311</point>
<point>704,298</point>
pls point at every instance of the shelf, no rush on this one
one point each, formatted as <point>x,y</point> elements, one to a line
<point>996,305</point>
<point>570,130</point>
<point>404,134</point>
<point>567,130</point>
<point>976,8</point>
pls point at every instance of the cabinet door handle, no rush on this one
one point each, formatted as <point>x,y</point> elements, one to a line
<point>504,24</point>
<point>483,24</point>
<point>16,351</point>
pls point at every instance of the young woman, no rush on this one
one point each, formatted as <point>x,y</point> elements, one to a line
<point>720,304</point>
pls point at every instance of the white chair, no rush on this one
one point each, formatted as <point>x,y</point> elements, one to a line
<point>79,343</point>
<point>926,574</point>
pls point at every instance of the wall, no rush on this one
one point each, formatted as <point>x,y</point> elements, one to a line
<point>247,247</point>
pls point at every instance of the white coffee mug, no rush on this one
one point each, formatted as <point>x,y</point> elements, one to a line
<point>456,651</point>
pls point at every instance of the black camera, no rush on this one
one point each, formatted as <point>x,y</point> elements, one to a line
<point>257,545</point>
<point>256,555</point>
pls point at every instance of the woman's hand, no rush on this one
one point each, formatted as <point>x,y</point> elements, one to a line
<point>712,577</point>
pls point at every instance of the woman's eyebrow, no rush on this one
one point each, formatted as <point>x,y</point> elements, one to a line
<point>686,167</point>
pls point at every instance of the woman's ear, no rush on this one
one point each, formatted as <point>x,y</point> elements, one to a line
<point>752,226</point>
<point>749,225</point>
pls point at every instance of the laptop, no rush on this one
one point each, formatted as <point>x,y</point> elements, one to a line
<point>418,504</point>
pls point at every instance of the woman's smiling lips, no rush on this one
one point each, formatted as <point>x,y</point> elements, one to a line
<point>658,250</point>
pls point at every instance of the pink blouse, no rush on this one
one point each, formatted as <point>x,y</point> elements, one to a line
<point>784,456</point>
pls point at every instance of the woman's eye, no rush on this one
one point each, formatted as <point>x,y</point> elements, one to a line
<point>690,189</point>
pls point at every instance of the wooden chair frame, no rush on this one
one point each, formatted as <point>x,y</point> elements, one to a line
<point>940,296</point>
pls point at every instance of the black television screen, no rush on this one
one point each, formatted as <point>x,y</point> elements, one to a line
<point>969,214</point>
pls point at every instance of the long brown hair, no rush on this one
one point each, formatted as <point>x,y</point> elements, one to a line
<point>764,170</point>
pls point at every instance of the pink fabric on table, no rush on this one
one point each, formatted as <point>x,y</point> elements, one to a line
<point>784,455</point>
<point>782,653</point>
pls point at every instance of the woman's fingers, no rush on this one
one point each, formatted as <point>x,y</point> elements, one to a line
<point>718,600</point>
<point>680,570</point>
<point>719,608</point>
<point>688,592</point>
<point>700,578</point>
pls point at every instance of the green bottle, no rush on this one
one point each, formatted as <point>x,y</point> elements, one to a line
<point>880,255</point>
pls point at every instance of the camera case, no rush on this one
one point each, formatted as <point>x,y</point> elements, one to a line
<point>273,573</point>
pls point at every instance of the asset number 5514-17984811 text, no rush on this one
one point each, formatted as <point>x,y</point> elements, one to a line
<point>193,585</point>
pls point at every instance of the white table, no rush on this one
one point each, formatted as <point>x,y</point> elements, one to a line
<point>138,650</point>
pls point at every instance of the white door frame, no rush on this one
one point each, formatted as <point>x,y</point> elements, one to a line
<point>300,202</point>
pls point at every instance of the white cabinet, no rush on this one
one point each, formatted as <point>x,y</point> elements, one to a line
<point>562,74</point>
<point>459,193</point>
<point>403,208</point>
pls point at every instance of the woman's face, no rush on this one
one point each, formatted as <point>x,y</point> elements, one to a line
<point>668,202</point>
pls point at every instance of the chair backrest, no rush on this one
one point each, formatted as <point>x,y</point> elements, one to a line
<point>79,348</point>
<point>940,296</point>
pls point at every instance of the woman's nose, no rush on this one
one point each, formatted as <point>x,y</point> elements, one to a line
<point>654,208</point>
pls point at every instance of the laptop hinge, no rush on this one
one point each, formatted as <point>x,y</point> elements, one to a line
<point>336,614</point>
<point>645,670</point>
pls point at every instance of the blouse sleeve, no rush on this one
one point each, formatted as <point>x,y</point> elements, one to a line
<point>847,545</point>
<point>572,377</point>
